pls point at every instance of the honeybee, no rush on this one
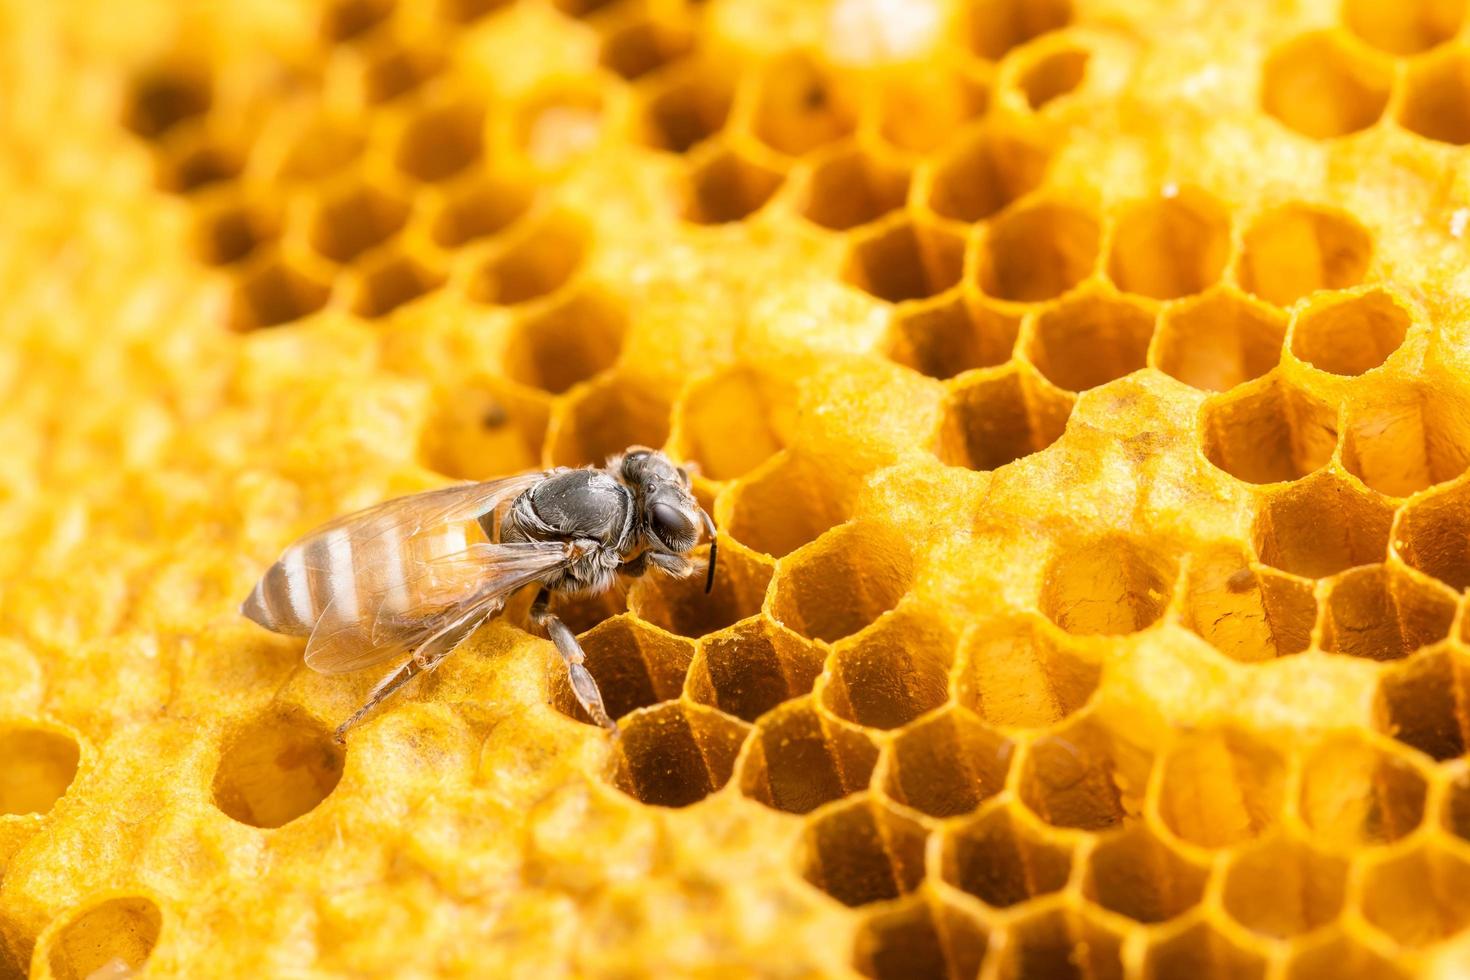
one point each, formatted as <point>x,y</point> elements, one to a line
<point>418,574</point>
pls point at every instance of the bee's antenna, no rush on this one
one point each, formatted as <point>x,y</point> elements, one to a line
<point>709,525</point>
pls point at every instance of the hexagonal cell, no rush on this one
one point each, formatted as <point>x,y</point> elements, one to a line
<point>559,122</point>
<point>851,187</point>
<point>319,147</point>
<point>893,673</point>
<point>1019,673</point>
<point>1061,944</point>
<point>1218,340</point>
<point>605,417</point>
<point>275,767</point>
<point>1112,584</point>
<point>1436,96</point>
<point>1352,334</point>
<point>919,939</point>
<point>40,764</point>
<point>274,293</point>
<point>1090,339</point>
<point>113,938</point>
<point>164,96</point>
<point>634,666</point>
<point>920,108</point>
<point>787,503</point>
<point>644,45</point>
<point>1321,526</point>
<point>1077,778</point>
<point>682,606</point>
<point>801,104</point>
<point>483,429</point>
<point>1133,873</point>
<point>997,418</point>
<point>585,611</point>
<point>947,764</point>
<point>1268,431</point>
<point>1321,88</point>
<point>998,857</point>
<point>1381,613</point>
<point>843,581</point>
<point>233,230</point>
<point>863,851</point>
<point>985,171</point>
<point>1249,614</point>
<point>536,262</point>
<point>1419,897</point>
<point>440,141</point>
<point>1203,952</point>
<point>752,667</point>
<point>801,759</point>
<point>1052,73</point>
<point>349,20</point>
<point>1340,957</point>
<point>1220,787</point>
<point>1296,249</point>
<point>1407,438</point>
<point>1433,534</point>
<point>676,754</point>
<point>355,219</point>
<point>1038,251</point>
<point>904,259</point>
<point>1404,28</point>
<point>1171,246</point>
<point>996,26</point>
<point>395,70</point>
<point>392,281</point>
<point>733,420</point>
<point>480,209</point>
<point>576,339</point>
<point>1282,887</point>
<point>1422,703</point>
<point>1457,806</point>
<point>1356,793</point>
<point>686,109</point>
<point>952,334</point>
<point>197,160</point>
<point>726,186</point>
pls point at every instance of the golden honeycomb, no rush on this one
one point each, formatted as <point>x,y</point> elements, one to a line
<point>1081,388</point>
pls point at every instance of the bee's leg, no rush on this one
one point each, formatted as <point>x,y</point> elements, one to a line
<point>634,567</point>
<point>424,659</point>
<point>583,684</point>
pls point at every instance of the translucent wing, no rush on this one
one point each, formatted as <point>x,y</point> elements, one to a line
<point>415,513</point>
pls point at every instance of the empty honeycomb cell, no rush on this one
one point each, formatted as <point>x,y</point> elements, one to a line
<point>947,764</point>
<point>986,170</point>
<point>1404,28</point>
<point>995,26</point>
<point>863,851</point>
<point>1268,431</point>
<point>1060,944</point>
<point>1072,779</point>
<point>480,209</point>
<point>1053,72</point>
<point>318,146</point>
<point>232,231</point>
<point>800,759</point>
<point>999,417</point>
<point>441,140</point>
<point>1418,897</point>
<point>1457,806</point>
<point>919,939</point>
<point>920,110</point>
<point>634,666</point>
<point>1350,334</point>
<point>197,160</point>
<point>953,334</point>
<point>843,581</point>
<point>1133,873</point>
<point>681,606</point>
<point>394,280</point>
<point>276,766</point>
<point>1424,702</point>
<point>1038,251</point>
<point>686,108</point>
<point>577,338</point>
<point>1089,339</point>
<point>165,96</point>
<point>1321,526</point>
<point>1340,957</point>
<point>1249,614</point>
<point>1171,246</point>
<point>676,754</point>
<point>1019,672</point>
<point>1355,793</point>
<point>583,611</point>
<point>582,8</point>
<point>726,185</point>
<point>1201,952</point>
<point>1296,249</point>
<point>733,420</point>
<point>904,259</point>
<point>113,938</point>
<point>355,219</point>
<point>852,186</point>
<point>1283,887</point>
<point>349,20</point>
<point>785,504</point>
<point>40,764</point>
<point>605,417</point>
<point>1001,859</point>
<point>801,104</point>
<point>644,45</point>
<point>1436,102</point>
<point>1433,534</point>
<point>276,292</point>
<point>484,429</point>
<point>752,667</point>
<point>1380,613</point>
<point>892,673</point>
<point>1322,88</point>
<point>469,11</point>
<point>1113,584</point>
<point>395,71</point>
<point>1219,787</point>
<point>560,123</point>
<point>538,261</point>
<point>1407,438</point>
<point>1218,340</point>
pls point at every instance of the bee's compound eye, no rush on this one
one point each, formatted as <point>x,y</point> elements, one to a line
<point>672,526</point>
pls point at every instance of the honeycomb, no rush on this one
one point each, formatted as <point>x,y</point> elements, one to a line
<point>1081,389</point>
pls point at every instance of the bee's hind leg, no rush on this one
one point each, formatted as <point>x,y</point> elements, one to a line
<point>424,659</point>
<point>583,684</point>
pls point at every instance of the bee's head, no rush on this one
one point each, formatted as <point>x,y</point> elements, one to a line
<point>671,515</point>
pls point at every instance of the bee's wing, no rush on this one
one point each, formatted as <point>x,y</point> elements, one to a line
<point>376,623</point>
<point>415,513</point>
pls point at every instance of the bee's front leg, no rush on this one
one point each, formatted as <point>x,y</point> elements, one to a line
<point>584,686</point>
